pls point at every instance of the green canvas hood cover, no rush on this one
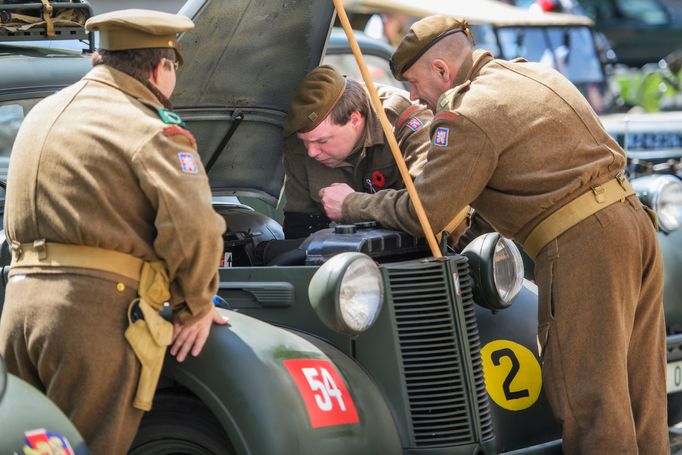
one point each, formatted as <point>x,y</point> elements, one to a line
<point>243,62</point>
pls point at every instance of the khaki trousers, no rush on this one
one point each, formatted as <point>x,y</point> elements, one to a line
<point>63,333</point>
<point>602,333</point>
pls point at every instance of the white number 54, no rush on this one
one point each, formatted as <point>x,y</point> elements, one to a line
<point>325,389</point>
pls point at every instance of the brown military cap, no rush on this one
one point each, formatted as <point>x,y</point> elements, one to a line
<point>138,29</point>
<point>317,95</point>
<point>421,36</point>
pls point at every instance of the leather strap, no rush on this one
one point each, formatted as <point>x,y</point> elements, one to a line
<point>44,254</point>
<point>574,212</point>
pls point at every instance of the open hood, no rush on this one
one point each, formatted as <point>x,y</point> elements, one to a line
<point>243,61</point>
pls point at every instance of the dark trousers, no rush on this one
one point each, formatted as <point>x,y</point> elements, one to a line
<point>602,333</point>
<point>63,333</point>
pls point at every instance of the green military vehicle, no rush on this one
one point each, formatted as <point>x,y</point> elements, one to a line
<point>358,341</point>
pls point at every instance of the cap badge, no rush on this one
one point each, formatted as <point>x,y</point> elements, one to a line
<point>313,116</point>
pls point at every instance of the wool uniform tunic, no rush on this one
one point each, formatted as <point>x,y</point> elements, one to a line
<point>369,168</point>
<point>517,141</point>
<point>96,165</point>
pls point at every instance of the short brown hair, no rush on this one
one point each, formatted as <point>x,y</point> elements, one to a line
<point>137,63</point>
<point>354,99</point>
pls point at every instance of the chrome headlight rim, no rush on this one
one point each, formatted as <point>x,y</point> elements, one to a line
<point>335,300</point>
<point>481,255</point>
<point>652,191</point>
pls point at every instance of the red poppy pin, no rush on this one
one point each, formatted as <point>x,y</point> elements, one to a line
<point>378,179</point>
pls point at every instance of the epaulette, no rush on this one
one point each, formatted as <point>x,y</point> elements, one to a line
<point>177,128</point>
<point>448,98</point>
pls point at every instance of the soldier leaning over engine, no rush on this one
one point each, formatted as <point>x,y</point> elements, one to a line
<point>518,142</point>
<point>104,192</point>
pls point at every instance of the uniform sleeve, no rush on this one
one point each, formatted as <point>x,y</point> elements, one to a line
<point>189,231</point>
<point>412,134</point>
<point>460,161</point>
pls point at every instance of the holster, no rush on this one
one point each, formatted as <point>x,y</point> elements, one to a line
<point>150,335</point>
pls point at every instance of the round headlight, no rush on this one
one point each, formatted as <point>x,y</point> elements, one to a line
<point>507,269</point>
<point>662,193</point>
<point>360,294</point>
<point>347,292</point>
<point>496,267</point>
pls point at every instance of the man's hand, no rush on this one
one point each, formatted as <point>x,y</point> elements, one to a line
<point>194,336</point>
<point>332,198</point>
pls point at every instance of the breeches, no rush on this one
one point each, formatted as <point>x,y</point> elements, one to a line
<point>602,333</point>
<point>63,333</point>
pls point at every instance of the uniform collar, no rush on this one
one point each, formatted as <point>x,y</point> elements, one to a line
<point>472,66</point>
<point>124,82</point>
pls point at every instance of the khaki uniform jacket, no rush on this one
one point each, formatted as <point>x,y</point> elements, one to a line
<point>95,165</point>
<point>371,166</point>
<point>515,140</point>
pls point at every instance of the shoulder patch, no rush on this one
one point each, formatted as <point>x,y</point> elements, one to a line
<point>177,130</point>
<point>188,165</point>
<point>447,115</point>
<point>405,116</point>
<point>170,117</point>
<point>440,137</point>
<point>414,123</point>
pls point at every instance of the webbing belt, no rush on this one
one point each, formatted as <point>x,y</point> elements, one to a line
<point>47,254</point>
<point>574,212</point>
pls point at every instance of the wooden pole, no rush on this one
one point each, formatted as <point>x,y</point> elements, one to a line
<point>388,131</point>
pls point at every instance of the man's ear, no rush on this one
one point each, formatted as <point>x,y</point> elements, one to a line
<point>355,119</point>
<point>440,70</point>
<point>155,71</point>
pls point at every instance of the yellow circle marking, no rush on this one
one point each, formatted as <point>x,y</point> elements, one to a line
<point>120,287</point>
<point>512,374</point>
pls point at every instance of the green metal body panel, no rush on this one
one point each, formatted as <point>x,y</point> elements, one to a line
<point>241,378</point>
<point>23,409</point>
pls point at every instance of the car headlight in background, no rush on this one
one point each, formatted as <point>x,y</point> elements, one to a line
<point>347,292</point>
<point>662,193</point>
<point>497,270</point>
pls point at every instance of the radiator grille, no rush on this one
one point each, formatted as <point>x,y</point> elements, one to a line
<point>435,377</point>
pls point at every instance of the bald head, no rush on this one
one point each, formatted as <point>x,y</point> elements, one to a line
<point>436,70</point>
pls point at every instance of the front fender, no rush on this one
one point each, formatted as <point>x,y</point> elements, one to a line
<point>242,378</point>
<point>24,409</point>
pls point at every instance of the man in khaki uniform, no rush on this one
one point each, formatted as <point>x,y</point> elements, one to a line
<point>519,143</point>
<point>104,181</point>
<point>333,135</point>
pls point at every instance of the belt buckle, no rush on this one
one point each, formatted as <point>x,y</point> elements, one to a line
<point>599,195</point>
<point>41,249</point>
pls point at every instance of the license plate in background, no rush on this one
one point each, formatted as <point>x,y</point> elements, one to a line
<point>674,382</point>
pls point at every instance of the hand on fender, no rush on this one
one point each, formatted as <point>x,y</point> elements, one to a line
<point>332,198</point>
<point>193,337</point>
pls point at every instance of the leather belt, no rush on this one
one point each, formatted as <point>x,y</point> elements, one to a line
<point>574,212</point>
<point>48,254</point>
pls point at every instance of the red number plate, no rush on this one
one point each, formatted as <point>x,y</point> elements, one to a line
<point>323,391</point>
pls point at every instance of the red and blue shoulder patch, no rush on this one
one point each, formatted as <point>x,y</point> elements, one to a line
<point>188,164</point>
<point>440,137</point>
<point>177,130</point>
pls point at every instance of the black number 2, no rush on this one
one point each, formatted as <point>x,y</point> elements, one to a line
<point>508,393</point>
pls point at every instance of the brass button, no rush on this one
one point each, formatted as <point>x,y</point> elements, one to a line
<point>120,287</point>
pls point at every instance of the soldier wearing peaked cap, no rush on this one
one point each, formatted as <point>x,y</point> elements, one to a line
<point>104,193</point>
<point>519,143</point>
<point>333,135</point>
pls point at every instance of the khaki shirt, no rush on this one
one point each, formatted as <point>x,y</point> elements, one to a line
<point>515,140</point>
<point>95,165</point>
<point>371,166</point>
